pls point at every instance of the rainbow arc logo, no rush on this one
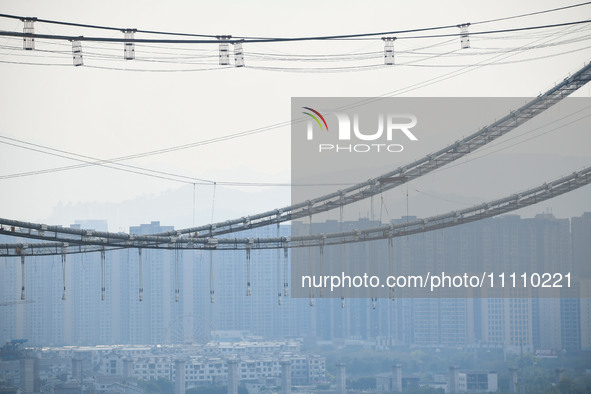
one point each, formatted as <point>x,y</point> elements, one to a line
<point>315,115</point>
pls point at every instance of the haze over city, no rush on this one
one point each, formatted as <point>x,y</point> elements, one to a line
<point>160,203</point>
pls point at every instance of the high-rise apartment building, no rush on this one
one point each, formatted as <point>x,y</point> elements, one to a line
<point>508,244</point>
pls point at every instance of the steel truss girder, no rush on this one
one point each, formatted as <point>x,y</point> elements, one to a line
<point>356,192</point>
<point>454,218</point>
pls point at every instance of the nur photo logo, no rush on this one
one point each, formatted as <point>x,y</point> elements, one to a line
<point>376,135</point>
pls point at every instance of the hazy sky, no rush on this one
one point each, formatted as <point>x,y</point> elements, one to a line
<point>105,113</point>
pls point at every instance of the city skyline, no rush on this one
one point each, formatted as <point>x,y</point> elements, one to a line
<point>121,318</point>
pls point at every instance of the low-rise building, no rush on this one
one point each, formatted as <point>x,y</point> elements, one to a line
<point>120,368</point>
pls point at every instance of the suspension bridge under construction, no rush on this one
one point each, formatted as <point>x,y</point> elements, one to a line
<point>57,240</point>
